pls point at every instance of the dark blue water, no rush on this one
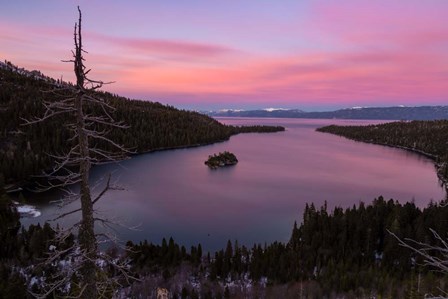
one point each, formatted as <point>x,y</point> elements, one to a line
<point>172,193</point>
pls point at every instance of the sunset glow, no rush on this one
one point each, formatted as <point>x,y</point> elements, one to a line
<point>311,55</point>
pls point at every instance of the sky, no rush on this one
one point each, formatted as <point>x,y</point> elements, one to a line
<point>313,55</point>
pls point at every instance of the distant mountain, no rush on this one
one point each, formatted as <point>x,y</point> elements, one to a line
<point>385,113</point>
<point>268,112</point>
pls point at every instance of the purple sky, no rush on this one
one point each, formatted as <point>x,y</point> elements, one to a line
<point>312,55</point>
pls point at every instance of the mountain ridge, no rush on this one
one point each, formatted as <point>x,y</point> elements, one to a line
<point>378,113</point>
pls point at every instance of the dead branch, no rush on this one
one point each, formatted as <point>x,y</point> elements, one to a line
<point>73,167</point>
<point>434,256</point>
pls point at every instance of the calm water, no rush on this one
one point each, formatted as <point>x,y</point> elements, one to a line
<point>172,193</point>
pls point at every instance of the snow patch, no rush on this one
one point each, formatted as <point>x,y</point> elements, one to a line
<point>378,256</point>
<point>34,280</point>
<point>28,211</point>
<point>231,110</point>
<point>275,109</point>
<point>264,281</point>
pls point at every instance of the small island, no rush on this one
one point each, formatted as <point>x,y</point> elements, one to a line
<point>222,159</point>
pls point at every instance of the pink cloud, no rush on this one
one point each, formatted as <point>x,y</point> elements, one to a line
<point>167,49</point>
<point>183,48</point>
<point>342,77</point>
<point>351,52</point>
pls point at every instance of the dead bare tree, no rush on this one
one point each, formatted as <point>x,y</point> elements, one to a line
<point>73,167</point>
<point>435,256</point>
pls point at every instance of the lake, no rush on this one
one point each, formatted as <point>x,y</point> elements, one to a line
<point>172,193</point>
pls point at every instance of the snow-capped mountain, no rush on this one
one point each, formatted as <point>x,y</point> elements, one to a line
<point>400,112</point>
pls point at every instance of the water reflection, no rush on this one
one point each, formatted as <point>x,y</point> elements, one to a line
<point>172,193</point>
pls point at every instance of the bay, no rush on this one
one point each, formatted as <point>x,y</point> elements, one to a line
<point>173,194</point>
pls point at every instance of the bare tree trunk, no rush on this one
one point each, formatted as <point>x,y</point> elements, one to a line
<point>74,168</point>
<point>87,239</point>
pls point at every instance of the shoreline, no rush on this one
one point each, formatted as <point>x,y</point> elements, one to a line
<point>22,186</point>
<point>437,165</point>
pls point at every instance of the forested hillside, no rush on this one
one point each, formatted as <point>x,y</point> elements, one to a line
<point>24,149</point>
<point>341,253</point>
<point>427,137</point>
<point>345,250</point>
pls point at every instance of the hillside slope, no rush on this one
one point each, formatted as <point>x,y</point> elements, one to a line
<point>24,149</point>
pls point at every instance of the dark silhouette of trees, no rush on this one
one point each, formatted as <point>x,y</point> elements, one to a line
<point>346,249</point>
<point>220,160</point>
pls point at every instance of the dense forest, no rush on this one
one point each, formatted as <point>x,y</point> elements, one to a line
<point>425,137</point>
<point>152,126</point>
<point>347,252</point>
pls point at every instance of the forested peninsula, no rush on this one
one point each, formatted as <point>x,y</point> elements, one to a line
<point>152,126</point>
<point>424,137</point>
